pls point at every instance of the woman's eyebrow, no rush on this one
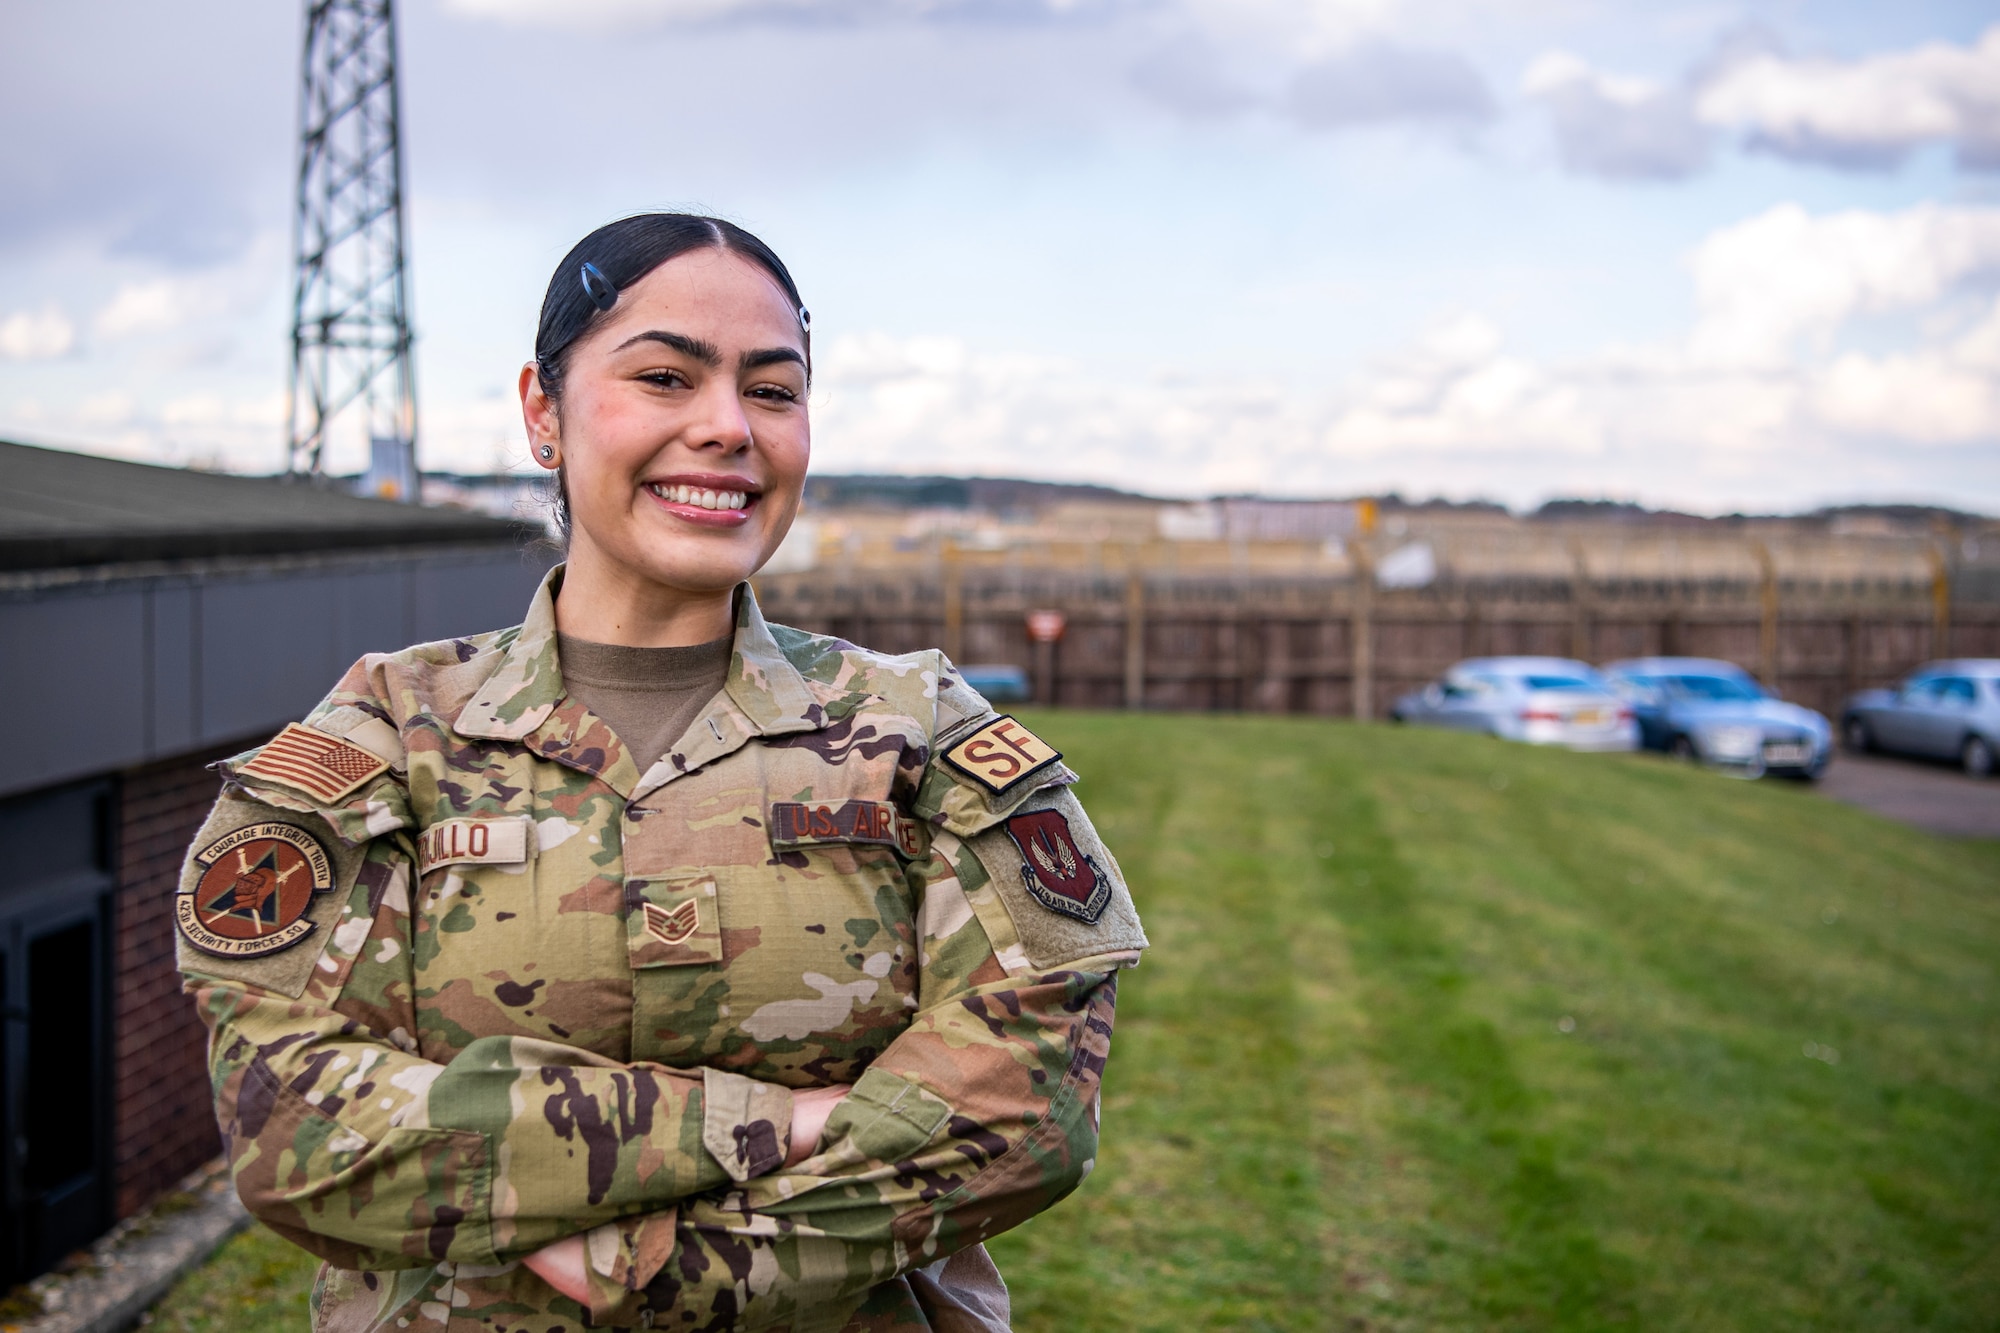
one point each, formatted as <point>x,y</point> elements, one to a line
<point>704,352</point>
<point>771,356</point>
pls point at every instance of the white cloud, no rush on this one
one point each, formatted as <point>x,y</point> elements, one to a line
<point>1871,111</point>
<point>1376,81</point>
<point>1866,113</point>
<point>1458,391</point>
<point>474,435</point>
<point>606,15</point>
<point>937,403</point>
<point>1309,25</point>
<point>1759,383</point>
<point>158,304</point>
<point>1765,283</point>
<point>37,335</point>
<point>214,411</point>
<point>111,407</point>
<point>1947,394</point>
<point>1618,127</point>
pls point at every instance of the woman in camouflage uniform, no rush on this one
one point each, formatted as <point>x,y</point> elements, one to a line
<point>647,964</point>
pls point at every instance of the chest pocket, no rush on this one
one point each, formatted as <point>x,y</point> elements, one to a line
<point>672,921</point>
<point>768,916</point>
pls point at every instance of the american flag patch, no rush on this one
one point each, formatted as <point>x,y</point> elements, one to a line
<point>320,765</point>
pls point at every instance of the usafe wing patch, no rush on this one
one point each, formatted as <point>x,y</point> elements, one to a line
<point>1056,872</point>
<point>322,766</point>
<point>1001,755</point>
<point>253,892</point>
<point>803,824</point>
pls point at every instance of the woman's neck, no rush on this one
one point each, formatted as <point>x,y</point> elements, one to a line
<point>604,602</point>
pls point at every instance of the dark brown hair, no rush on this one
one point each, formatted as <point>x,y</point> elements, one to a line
<point>617,255</point>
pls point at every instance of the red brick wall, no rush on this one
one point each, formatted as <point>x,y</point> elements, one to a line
<point>163,1125</point>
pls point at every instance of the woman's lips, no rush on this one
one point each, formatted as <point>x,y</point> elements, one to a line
<point>705,507</point>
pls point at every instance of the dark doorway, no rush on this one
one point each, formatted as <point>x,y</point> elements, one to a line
<point>55,900</point>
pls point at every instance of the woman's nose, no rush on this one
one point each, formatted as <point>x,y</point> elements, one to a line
<point>722,422</point>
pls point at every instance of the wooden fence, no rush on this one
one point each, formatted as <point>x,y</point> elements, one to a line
<point>1345,647</point>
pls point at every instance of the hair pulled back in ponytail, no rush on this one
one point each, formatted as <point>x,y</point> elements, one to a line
<point>619,254</point>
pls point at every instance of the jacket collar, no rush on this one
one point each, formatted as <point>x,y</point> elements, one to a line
<point>524,700</point>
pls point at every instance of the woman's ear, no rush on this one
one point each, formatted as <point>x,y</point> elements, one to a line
<point>539,415</point>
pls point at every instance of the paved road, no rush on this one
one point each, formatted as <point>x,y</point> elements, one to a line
<point>1929,796</point>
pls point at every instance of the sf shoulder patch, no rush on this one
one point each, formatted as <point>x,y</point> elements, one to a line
<point>253,891</point>
<point>322,766</point>
<point>1002,755</point>
<point>1056,872</point>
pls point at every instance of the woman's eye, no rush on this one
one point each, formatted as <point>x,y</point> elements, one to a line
<point>776,393</point>
<point>665,379</point>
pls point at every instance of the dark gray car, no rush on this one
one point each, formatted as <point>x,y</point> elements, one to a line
<point>1942,710</point>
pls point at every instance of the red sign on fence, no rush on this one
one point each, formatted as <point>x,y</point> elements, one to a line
<point>1046,626</point>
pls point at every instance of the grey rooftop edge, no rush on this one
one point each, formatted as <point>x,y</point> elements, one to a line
<point>68,509</point>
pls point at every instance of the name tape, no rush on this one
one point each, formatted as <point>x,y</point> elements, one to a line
<point>481,842</point>
<point>802,824</point>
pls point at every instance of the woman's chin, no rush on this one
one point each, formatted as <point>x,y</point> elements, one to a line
<point>705,573</point>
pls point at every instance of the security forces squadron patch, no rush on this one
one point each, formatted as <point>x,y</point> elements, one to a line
<point>1001,755</point>
<point>1056,871</point>
<point>255,887</point>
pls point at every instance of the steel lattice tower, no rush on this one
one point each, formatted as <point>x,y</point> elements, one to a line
<point>350,300</point>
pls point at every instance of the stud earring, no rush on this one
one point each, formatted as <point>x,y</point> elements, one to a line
<point>548,453</point>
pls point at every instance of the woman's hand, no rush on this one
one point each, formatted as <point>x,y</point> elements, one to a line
<point>564,1266</point>
<point>810,1110</point>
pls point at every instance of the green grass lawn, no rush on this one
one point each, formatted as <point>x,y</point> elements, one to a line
<point>1438,1032</point>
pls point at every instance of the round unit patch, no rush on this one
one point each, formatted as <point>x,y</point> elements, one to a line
<point>255,887</point>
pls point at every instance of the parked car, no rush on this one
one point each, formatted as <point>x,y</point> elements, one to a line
<point>1540,700</point>
<point>999,683</point>
<point>1943,710</point>
<point>1700,708</point>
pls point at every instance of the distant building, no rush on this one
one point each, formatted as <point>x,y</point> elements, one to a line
<point>153,621</point>
<point>1250,519</point>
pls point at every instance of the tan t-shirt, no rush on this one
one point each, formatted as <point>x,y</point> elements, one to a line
<point>647,696</point>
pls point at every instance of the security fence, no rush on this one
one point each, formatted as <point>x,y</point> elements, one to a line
<point>1342,644</point>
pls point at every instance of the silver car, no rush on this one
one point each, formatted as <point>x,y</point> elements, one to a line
<point>1944,710</point>
<point>1715,711</point>
<point>1540,700</point>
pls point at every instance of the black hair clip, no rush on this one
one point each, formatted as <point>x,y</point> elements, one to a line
<point>805,319</point>
<point>597,287</point>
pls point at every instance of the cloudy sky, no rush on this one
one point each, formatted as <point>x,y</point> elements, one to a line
<point>1711,253</point>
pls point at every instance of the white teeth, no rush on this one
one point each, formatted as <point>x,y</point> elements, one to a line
<point>702,499</point>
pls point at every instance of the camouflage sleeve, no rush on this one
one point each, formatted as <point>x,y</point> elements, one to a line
<point>980,1115</point>
<point>342,1137</point>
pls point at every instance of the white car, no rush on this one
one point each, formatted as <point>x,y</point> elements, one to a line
<point>1540,700</point>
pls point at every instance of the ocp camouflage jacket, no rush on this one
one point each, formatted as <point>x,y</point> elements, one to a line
<point>476,984</point>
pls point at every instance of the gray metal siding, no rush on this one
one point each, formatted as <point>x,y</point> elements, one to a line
<point>104,674</point>
<point>73,673</point>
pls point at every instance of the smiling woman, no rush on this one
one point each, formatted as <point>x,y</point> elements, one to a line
<point>668,392</point>
<point>660,967</point>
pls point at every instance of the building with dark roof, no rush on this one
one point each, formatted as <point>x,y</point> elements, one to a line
<point>153,620</point>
